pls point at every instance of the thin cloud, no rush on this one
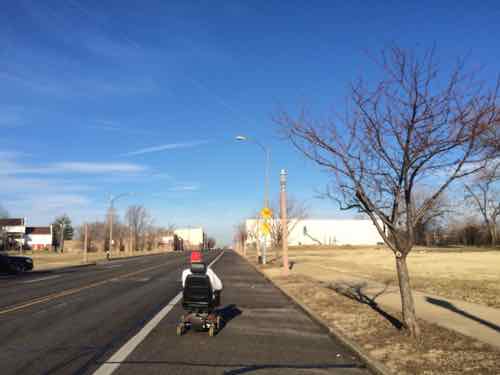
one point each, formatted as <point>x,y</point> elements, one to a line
<point>113,126</point>
<point>83,167</point>
<point>185,188</point>
<point>168,146</point>
<point>10,168</point>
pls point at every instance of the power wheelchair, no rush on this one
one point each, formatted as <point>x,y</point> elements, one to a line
<point>199,303</point>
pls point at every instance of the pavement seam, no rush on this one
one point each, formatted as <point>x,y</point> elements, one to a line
<point>374,365</point>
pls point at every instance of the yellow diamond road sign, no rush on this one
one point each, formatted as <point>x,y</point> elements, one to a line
<point>266,213</point>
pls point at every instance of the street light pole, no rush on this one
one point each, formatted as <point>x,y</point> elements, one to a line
<point>111,210</point>
<point>110,248</point>
<point>267,153</point>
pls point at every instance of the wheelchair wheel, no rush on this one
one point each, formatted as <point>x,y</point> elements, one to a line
<point>211,331</point>
<point>180,329</point>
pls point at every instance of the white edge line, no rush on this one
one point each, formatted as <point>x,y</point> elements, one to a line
<point>108,367</point>
<point>41,279</point>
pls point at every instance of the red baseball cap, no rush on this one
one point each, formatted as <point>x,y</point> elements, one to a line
<point>196,257</point>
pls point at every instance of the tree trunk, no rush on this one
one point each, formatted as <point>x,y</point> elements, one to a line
<point>493,233</point>
<point>408,307</point>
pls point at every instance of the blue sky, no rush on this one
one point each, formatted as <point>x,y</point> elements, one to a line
<point>102,98</point>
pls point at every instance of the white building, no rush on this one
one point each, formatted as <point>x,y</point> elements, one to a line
<point>38,237</point>
<point>12,232</point>
<point>14,226</point>
<point>15,233</point>
<point>325,232</point>
<point>192,238</point>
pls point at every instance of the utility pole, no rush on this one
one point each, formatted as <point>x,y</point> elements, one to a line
<point>62,237</point>
<point>257,242</point>
<point>110,247</point>
<point>284,221</point>
<point>130,248</point>
<point>85,242</point>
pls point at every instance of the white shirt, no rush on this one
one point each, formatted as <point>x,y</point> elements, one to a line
<point>214,279</point>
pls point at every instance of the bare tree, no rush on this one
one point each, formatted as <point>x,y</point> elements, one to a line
<point>484,193</point>
<point>416,126</point>
<point>151,237</point>
<point>296,212</point>
<point>429,222</point>
<point>241,234</point>
<point>211,242</point>
<point>97,232</point>
<point>138,220</point>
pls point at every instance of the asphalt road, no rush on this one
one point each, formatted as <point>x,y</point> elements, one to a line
<point>78,321</point>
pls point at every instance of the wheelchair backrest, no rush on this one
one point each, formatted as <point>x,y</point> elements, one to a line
<point>197,289</point>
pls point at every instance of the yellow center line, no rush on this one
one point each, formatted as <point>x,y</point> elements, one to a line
<point>69,292</point>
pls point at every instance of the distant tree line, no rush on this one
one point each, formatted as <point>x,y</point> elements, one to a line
<point>136,230</point>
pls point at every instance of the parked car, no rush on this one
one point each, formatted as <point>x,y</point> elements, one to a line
<point>15,264</point>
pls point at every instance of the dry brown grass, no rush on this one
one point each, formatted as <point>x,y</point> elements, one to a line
<point>49,260</point>
<point>466,274</point>
<point>441,351</point>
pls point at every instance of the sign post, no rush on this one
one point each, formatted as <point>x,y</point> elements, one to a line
<point>284,221</point>
<point>266,213</point>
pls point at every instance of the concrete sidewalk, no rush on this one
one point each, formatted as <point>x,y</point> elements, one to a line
<point>264,333</point>
<point>474,320</point>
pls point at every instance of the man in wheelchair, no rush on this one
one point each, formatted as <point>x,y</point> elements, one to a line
<point>200,297</point>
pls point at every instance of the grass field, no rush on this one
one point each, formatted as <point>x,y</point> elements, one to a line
<point>469,274</point>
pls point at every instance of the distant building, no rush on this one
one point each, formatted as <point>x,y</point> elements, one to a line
<point>192,238</point>
<point>171,242</point>
<point>13,225</point>
<point>12,233</point>
<point>15,233</point>
<point>325,232</point>
<point>38,238</point>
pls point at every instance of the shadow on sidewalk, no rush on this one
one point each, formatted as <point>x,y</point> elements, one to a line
<point>355,292</point>
<point>228,313</point>
<point>446,305</point>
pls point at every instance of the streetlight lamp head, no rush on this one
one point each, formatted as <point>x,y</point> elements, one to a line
<point>241,138</point>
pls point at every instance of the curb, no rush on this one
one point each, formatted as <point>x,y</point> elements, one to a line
<point>372,364</point>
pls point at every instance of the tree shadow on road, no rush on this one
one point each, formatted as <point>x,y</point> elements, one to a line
<point>228,313</point>
<point>355,292</point>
